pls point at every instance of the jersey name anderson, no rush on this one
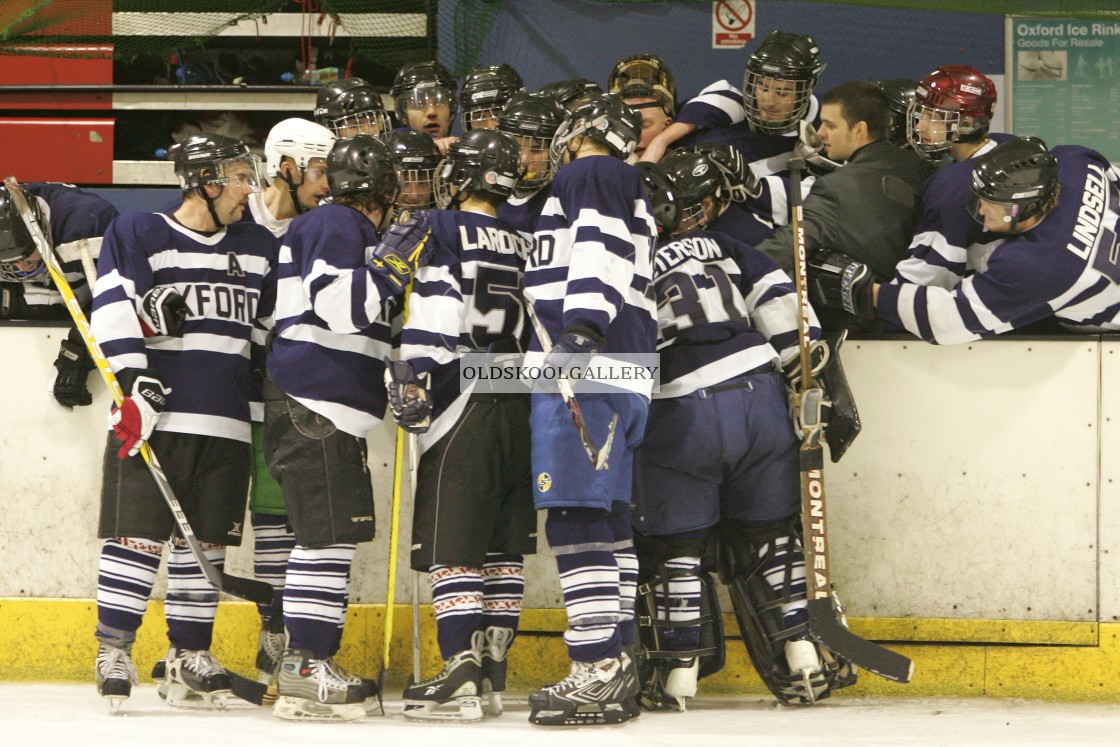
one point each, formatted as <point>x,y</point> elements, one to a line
<point>682,250</point>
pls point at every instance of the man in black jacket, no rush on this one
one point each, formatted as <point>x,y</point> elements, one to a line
<point>867,208</point>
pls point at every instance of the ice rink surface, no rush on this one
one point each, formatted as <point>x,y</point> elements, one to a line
<point>73,715</point>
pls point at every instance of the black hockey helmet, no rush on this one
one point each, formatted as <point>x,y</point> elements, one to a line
<point>644,76</point>
<point>572,93</point>
<point>662,197</point>
<point>421,83</point>
<point>606,119</point>
<point>416,158</point>
<point>202,159</point>
<point>695,177</point>
<point>16,245</point>
<point>900,94</point>
<point>531,114</point>
<point>1019,174</point>
<point>486,90</point>
<point>362,164</point>
<point>351,106</point>
<point>480,161</point>
<point>781,56</point>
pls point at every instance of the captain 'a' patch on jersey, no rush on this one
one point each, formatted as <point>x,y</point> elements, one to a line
<point>723,308</point>
<point>466,299</point>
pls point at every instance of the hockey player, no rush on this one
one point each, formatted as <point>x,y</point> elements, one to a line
<point>588,283</point>
<point>416,157</point>
<point>485,92</point>
<point>424,98</point>
<point>531,119</point>
<point>473,519</point>
<point>339,266</point>
<point>646,84</point>
<point>948,124</point>
<point>351,107</point>
<point>179,310</point>
<point>572,93</point>
<point>295,164</point>
<point>761,120</point>
<point>1053,215</point>
<point>26,290</point>
<point>900,93</point>
<point>719,458</point>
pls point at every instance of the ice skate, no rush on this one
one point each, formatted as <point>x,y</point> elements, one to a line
<point>367,686</point>
<point>804,665</point>
<point>453,694</point>
<point>271,643</point>
<point>115,675</point>
<point>494,667</point>
<point>594,693</point>
<point>310,690</point>
<point>195,679</point>
<point>680,681</point>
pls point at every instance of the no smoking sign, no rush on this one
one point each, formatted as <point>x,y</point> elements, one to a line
<point>732,23</point>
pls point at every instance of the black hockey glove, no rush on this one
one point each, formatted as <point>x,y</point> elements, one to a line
<point>836,281</point>
<point>163,312</point>
<point>741,181</point>
<point>408,396</point>
<point>404,247</point>
<point>12,305</point>
<point>570,343</point>
<point>72,367</point>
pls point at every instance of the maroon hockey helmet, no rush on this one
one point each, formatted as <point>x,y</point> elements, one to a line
<point>961,97</point>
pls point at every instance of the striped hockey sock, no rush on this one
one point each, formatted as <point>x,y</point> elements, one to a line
<point>681,604</point>
<point>126,572</point>
<point>583,544</point>
<point>784,571</point>
<point>315,594</point>
<point>272,544</point>
<point>503,578</point>
<point>192,601</point>
<point>457,601</point>
<point>627,559</point>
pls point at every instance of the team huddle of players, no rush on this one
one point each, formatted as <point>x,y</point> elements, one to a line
<point>563,224</point>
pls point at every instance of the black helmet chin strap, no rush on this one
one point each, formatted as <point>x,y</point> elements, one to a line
<point>210,206</point>
<point>292,187</point>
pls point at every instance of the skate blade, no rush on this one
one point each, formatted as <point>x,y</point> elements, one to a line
<point>467,708</point>
<point>301,709</point>
<point>181,696</point>
<point>115,703</point>
<point>585,715</point>
<point>492,704</point>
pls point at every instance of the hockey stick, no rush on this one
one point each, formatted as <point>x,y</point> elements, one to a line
<point>86,250</point>
<point>823,622</point>
<point>394,539</point>
<point>246,588</point>
<point>598,457</point>
<point>414,469</point>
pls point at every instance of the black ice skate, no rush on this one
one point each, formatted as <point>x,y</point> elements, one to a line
<point>452,695</point>
<point>601,692</point>
<point>115,675</point>
<point>494,667</point>
<point>311,690</point>
<point>271,643</point>
<point>195,679</point>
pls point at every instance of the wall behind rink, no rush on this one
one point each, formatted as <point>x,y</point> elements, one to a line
<point>980,489</point>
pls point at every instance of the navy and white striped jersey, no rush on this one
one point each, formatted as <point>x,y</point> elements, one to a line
<point>331,312</point>
<point>947,240</point>
<point>1067,266</point>
<point>742,223</point>
<point>467,298</point>
<point>723,308</point>
<point>227,281</point>
<point>592,259</point>
<point>521,213</point>
<point>72,214</point>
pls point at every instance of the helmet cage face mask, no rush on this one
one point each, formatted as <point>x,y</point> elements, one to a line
<point>18,247</point>
<point>944,122</point>
<point>423,96</point>
<point>644,76</point>
<point>369,122</point>
<point>800,90</point>
<point>476,118</point>
<point>536,164</point>
<point>695,178</point>
<point>416,188</point>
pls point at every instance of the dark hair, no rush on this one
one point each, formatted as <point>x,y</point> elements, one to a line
<point>862,101</point>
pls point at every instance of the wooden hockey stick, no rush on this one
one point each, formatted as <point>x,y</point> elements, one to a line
<point>413,471</point>
<point>823,622</point>
<point>597,456</point>
<point>246,588</point>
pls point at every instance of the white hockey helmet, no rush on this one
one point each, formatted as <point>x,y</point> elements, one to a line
<point>298,139</point>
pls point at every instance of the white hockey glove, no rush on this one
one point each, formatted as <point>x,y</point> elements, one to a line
<point>138,414</point>
<point>809,410</point>
<point>163,312</point>
<point>408,396</point>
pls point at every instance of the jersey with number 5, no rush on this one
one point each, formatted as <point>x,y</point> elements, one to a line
<point>723,308</point>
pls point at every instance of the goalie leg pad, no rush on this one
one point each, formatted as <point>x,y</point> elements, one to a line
<point>844,423</point>
<point>680,625</point>
<point>764,570</point>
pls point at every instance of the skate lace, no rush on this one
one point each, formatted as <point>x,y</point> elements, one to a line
<point>115,664</point>
<point>497,642</point>
<point>582,673</point>
<point>202,663</point>
<point>273,645</point>
<point>339,671</point>
<point>328,680</point>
